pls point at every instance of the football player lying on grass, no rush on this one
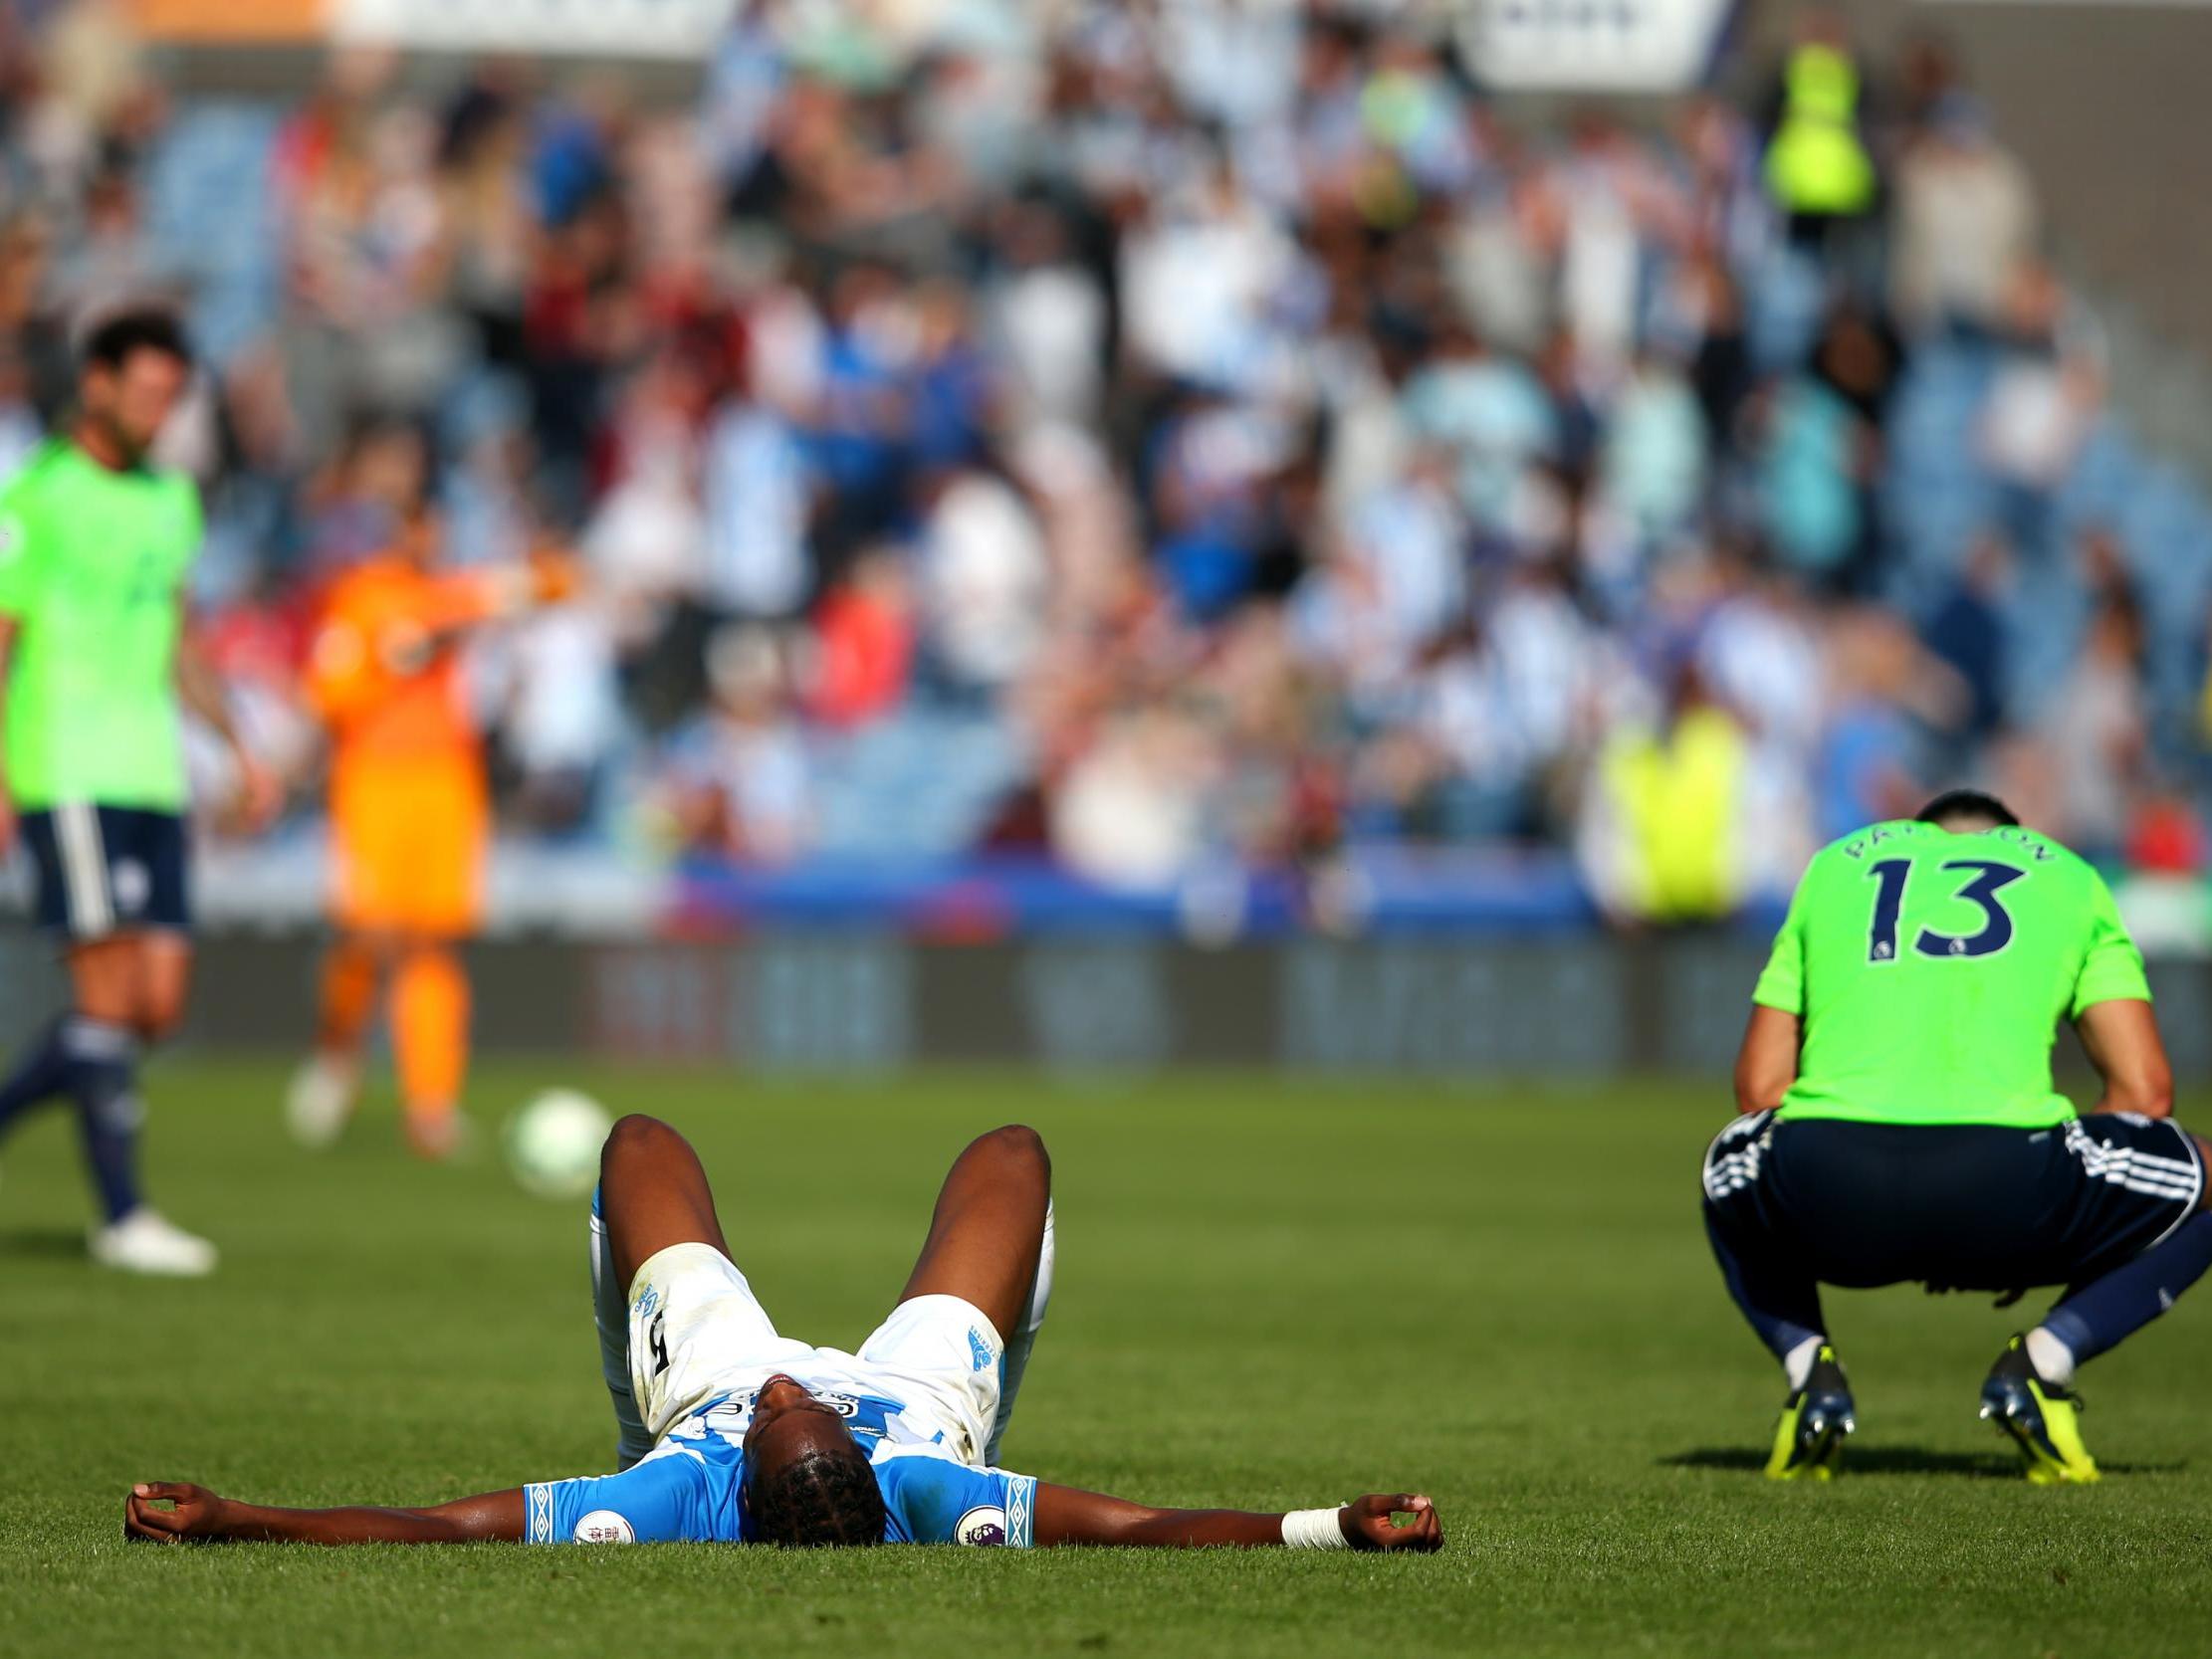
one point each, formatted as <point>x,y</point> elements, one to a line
<point>730,1432</point>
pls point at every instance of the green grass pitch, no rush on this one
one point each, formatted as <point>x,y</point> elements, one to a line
<point>1271,1294</point>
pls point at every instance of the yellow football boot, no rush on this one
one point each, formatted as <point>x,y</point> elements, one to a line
<point>2042,1419</point>
<point>1809,1440</point>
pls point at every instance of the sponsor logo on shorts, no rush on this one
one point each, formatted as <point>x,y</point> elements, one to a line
<point>134,886</point>
<point>980,1349</point>
<point>605,1527</point>
<point>648,1299</point>
<point>985,1524</point>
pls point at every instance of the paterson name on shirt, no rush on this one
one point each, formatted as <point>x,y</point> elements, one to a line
<point>691,1487</point>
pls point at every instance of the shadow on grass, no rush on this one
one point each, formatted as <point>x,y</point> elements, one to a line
<point>1897,1460</point>
<point>44,1243</point>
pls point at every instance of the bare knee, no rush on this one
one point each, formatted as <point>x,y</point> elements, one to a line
<point>158,1020</point>
<point>1017,1149</point>
<point>161,1009</point>
<point>635,1137</point>
<point>164,964</point>
<point>653,1193</point>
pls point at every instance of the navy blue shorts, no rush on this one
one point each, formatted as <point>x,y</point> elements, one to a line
<point>108,870</point>
<point>1953,1206</point>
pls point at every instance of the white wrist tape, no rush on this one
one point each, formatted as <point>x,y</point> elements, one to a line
<point>1314,1530</point>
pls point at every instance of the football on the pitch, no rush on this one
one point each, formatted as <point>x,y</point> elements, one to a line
<point>553,1143</point>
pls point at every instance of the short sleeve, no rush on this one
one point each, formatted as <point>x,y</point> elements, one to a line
<point>934,1499</point>
<point>18,570</point>
<point>663,1499</point>
<point>1782,985</point>
<point>2112,969</point>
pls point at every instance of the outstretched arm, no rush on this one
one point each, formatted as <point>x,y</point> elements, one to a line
<point>1068,1516</point>
<point>198,1516</point>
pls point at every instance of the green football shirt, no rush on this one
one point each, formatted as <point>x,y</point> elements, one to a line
<point>1932,970</point>
<point>92,568</point>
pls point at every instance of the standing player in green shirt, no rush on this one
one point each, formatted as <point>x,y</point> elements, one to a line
<point>95,545</point>
<point>1900,1124</point>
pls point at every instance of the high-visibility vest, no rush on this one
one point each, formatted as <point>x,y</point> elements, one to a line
<point>1677,796</point>
<point>1816,163</point>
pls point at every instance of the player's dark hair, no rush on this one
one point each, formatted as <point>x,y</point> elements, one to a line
<point>823,1496</point>
<point>1954,804</point>
<point>141,328</point>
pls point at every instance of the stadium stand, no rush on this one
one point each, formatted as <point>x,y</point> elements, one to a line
<point>1113,451</point>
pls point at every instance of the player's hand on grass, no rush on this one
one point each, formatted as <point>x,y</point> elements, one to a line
<point>1371,1523</point>
<point>195,1514</point>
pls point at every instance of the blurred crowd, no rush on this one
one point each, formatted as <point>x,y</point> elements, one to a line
<point>1156,432</point>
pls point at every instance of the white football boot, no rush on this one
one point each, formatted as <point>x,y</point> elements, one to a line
<point>146,1241</point>
<point>320,1103</point>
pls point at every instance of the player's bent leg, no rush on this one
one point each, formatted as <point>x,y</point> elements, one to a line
<point>2042,1418</point>
<point>610,1314</point>
<point>2141,1202</point>
<point>653,1193</point>
<point>1779,1298</point>
<point>1816,1416</point>
<point>986,1234</point>
<point>104,979</point>
<point>1022,1341</point>
<point>679,1324</point>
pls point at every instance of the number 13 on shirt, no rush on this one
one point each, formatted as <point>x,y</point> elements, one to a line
<point>1984,881</point>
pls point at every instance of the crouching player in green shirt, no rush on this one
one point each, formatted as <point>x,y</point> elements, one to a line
<point>95,544</point>
<point>1900,1123</point>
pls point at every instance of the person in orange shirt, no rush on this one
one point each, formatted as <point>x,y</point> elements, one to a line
<point>410,816</point>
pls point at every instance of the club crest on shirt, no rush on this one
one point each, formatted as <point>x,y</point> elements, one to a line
<point>985,1524</point>
<point>605,1527</point>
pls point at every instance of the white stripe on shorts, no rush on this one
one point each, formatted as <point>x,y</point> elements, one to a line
<point>1732,1171</point>
<point>2196,1191</point>
<point>2120,1172</point>
<point>83,869</point>
<point>2106,1161</point>
<point>2180,1179</point>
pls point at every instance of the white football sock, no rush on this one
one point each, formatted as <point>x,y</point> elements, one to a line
<point>610,1311</point>
<point>1020,1343</point>
<point>1797,1364</point>
<point>2051,1358</point>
